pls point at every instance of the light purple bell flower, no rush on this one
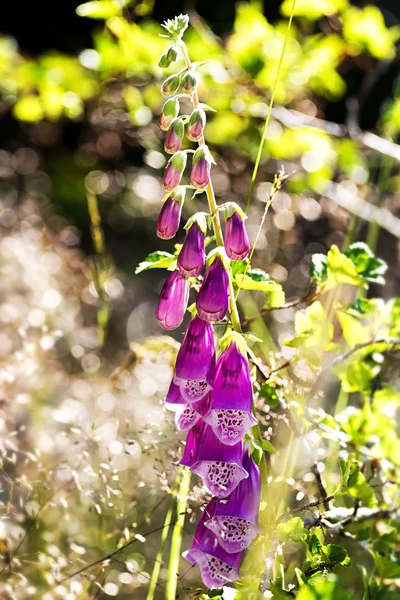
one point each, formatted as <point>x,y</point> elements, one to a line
<point>173,300</point>
<point>219,466</point>
<point>169,219</point>
<point>174,171</point>
<point>174,137</point>
<point>192,257</point>
<point>213,298</point>
<point>194,368</point>
<point>200,173</point>
<point>234,520</point>
<point>217,567</point>
<point>231,405</point>
<point>197,122</point>
<point>237,245</point>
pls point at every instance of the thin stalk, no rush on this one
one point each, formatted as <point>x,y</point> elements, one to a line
<point>164,535</point>
<point>267,120</point>
<point>176,539</point>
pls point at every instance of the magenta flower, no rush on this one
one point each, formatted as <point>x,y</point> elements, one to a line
<point>217,567</point>
<point>197,122</point>
<point>169,112</point>
<point>174,170</point>
<point>194,369</point>
<point>234,521</point>
<point>170,214</point>
<point>200,173</point>
<point>173,140</point>
<point>188,415</point>
<point>213,298</point>
<point>192,257</point>
<point>230,414</point>
<point>219,466</point>
<point>237,245</point>
<point>173,300</point>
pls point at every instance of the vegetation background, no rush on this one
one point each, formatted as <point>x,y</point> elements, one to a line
<point>87,451</point>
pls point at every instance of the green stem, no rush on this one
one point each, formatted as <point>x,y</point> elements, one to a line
<point>267,120</point>
<point>176,540</point>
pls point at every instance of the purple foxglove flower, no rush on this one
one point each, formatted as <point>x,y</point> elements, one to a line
<point>230,414</point>
<point>173,300</point>
<point>188,415</point>
<point>174,170</point>
<point>234,521</point>
<point>195,362</point>
<point>170,214</point>
<point>171,85</point>
<point>169,112</point>
<point>197,122</point>
<point>200,173</point>
<point>213,298</point>
<point>173,141</point>
<point>217,567</point>
<point>237,245</point>
<point>192,257</point>
<point>219,465</point>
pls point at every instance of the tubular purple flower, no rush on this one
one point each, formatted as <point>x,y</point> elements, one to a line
<point>197,122</point>
<point>169,112</point>
<point>217,567</point>
<point>174,170</point>
<point>213,298</point>
<point>192,257</point>
<point>234,521</point>
<point>173,300</point>
<point>173,140</point>
<point>230,414</point>
<point>170,214</point>
<point>195,362</point>
<point>188,415</point>
<point>237,245</point>
<point>219,466</point>
<point>200,173</point>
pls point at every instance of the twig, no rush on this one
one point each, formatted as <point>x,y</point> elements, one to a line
<point>346,355</point>
<point>306,507</point>
<point>268,309</point>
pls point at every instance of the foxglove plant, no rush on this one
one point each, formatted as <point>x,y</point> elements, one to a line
<point>213,401</point>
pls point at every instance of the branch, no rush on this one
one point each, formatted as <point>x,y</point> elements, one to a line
<point>268,309</point>
<point>357,347</point>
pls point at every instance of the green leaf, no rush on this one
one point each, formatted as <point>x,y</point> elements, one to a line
<point>258,280</point>
<point>268,447</point>
<point>318,270</point>
<point>336,554</point>
<point>268,392</point>
<point>156,260</point>
<point>354,331</point>
<point>293,530</point>
<point>367,265</point>
<point>387,568</point>
<point>314,545</point>
<point>341,269</point>
<point>355,484</point>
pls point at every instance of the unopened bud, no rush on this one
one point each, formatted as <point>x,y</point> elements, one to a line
<point>169,112</point>
<point>171,85</point>
<point>174,170</point>
<point>168,57</point>
<point>196,124</point>
<point>173,141</point>
<point>189,81</point>
<point>200,173</point>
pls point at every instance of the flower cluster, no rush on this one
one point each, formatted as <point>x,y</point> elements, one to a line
<point>212,398</point>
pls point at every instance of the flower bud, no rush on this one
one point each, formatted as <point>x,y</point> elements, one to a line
<point>189,81</point>
<point>213,298</point>
<point>170,214</point>
<point>168,57</point>
<point>173,141</point>
<point>173,300</point>
<point>171,85</point>
<point>169,112</point>
<point>197,122</point>
<point>192,258</point>
<point>174,170</point>
<point>200,173</point>
<point>237,245</point>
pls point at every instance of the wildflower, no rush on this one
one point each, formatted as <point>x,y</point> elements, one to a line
<point>230,414</point>
<point>217,566</point>
<point>197,122</point>
<point>169,112</point>
<point>188,415</point>
<point>173,140</point>
<point>171,85</point>
<point>170,214</point>
<point>200,173</point>
<point>234,521</point>
<point>213,298</point>
<point>174,170</point>
<point>192,257</point>
<point>173,300</point>
<point>195,362</point>
<point>237,245</point>
<point>219,466</point>
<point>189,81</point>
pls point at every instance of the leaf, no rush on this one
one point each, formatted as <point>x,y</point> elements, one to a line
<point>268,392</point>
<point>336,554</point>
<point>258,280</point>
<point>314,545</point>
<point>318,270</point>
<point>341,269</point>
<point>355,484</point>
<point>268,447</point>
<point>354,331</point>
<point>367,265</point>
<point>156,260</point>
<point>292,530</point>
<point>387,568</point>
